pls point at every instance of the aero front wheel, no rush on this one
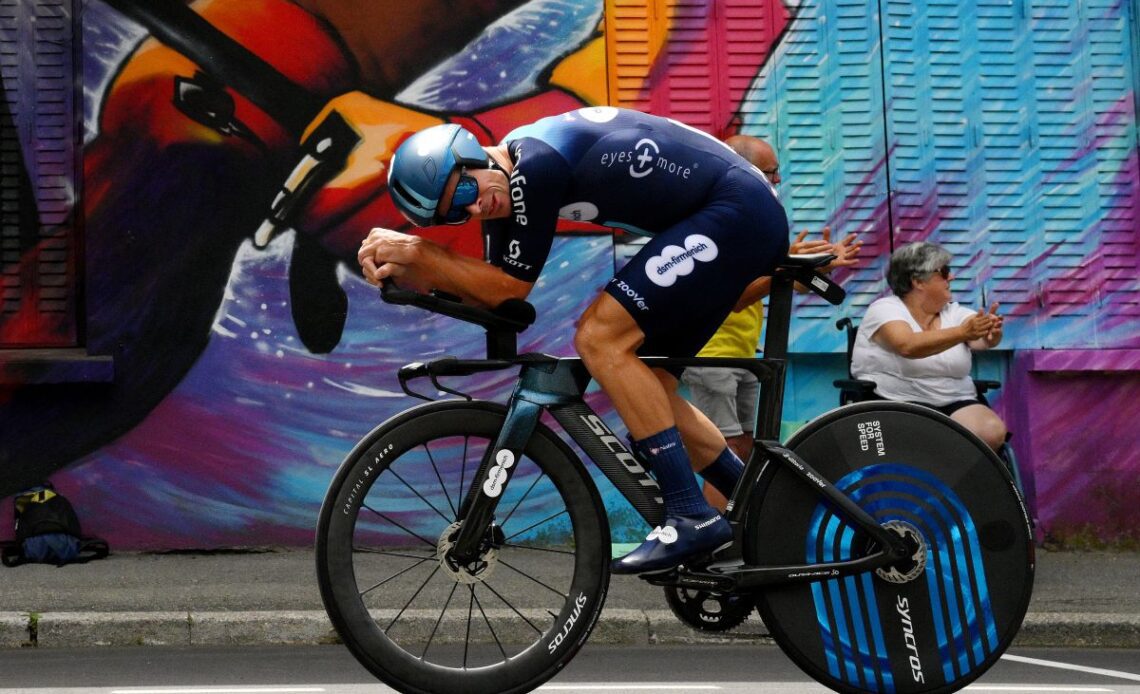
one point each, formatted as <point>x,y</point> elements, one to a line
<point>931,623</point>
<point>416,619</point>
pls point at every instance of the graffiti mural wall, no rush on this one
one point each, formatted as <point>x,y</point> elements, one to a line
<point>244,374</point>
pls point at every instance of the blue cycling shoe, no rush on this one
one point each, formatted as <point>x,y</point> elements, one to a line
<point>670,544</point>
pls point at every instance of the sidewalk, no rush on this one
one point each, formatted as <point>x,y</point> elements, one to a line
<point>271,597</point>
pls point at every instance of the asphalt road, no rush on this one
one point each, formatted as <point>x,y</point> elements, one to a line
<point>721,669</point>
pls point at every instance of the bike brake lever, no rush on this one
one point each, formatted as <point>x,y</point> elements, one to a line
<point>325,152</point>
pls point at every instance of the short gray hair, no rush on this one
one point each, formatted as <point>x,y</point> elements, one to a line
<point>914,261</point>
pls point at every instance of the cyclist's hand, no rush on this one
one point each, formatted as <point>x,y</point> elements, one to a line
<point>382,126</point>
<point>385,253</point>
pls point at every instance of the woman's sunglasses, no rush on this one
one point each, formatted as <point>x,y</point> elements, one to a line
<point>466,192</point>
<point>944,271</point>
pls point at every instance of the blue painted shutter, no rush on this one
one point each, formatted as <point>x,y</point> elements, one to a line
<point>1012,130</point>
<point>826,88</point>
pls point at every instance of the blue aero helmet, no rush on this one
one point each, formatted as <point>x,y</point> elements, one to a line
<point>420,169</point>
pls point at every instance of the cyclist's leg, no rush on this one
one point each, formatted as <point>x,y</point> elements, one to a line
<point>704,424</point>
<point>607,340</point>
<point>669,300</point>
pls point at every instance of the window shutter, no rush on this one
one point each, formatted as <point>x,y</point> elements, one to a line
<point>1012,135</point>
<point>37,158</point>
<point>830,137</point>
<point>693,60</point>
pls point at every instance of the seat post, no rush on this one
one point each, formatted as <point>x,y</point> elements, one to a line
<point>770,412</point>
<point>779,316</point>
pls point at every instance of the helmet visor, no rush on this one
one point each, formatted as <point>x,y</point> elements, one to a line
<point>466,192</point>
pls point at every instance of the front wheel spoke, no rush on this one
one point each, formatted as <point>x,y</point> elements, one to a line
<point>524,496</point>
<point>438,476</point>
<point>513,608</point>
<point>402,555</point>
<point>422,497</point>
<point>539,549</point>
<point>470,610</point>
<point>527,529</point>
<point>487,620</point>
<point>412,599</point>
<point>395,575</point>
<point>434,629</point>
<point>526,575</point>
<point>463,471</point>
<point>396,523</point>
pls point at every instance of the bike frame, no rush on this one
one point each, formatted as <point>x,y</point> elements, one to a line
<point>557,385</point>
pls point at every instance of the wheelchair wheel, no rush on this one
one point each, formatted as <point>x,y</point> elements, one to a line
<point>931,623</point>
<point>414,617</point>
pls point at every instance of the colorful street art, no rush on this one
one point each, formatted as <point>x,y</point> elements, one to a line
<point>244,375</point>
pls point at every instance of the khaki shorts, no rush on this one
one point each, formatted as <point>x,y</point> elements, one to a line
<point>727,396</point>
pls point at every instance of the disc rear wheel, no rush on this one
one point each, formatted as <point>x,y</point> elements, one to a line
<point>936,619</point>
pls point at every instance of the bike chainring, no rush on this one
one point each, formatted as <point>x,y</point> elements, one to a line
<point>707,610</point>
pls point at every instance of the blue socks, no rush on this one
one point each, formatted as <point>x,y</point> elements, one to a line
<point>723,472</point>
<point>666,457</point>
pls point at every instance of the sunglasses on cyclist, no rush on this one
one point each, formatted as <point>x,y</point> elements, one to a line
<point>466,192</point>
<point>944,271</point>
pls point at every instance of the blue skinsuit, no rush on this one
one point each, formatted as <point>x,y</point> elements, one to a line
<point>713,220</point>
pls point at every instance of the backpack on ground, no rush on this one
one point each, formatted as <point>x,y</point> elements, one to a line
<point>48,532</point>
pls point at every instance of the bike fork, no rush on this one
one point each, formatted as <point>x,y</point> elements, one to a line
<point>491,479</point>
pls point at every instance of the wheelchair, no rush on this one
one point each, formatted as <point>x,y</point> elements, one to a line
<point>853,390</point>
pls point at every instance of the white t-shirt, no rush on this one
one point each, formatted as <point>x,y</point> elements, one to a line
<point>935,380</point>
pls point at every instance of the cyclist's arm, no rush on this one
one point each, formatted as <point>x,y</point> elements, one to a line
<point>422,265</point>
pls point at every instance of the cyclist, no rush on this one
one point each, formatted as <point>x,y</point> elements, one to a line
<point>716,228</point>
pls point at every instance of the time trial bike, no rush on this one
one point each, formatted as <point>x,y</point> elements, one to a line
<point>885,547</point>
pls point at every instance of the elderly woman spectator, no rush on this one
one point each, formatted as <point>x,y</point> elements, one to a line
<point>917,345</point>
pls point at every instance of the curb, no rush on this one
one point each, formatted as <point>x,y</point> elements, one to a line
<point>312,627</point>
<point>1079,630</point>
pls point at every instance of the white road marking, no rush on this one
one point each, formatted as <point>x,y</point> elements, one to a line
<point>1069,666</point>
<point>221,690</point>
<point>1031,688</point>
<point>618,687</point>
